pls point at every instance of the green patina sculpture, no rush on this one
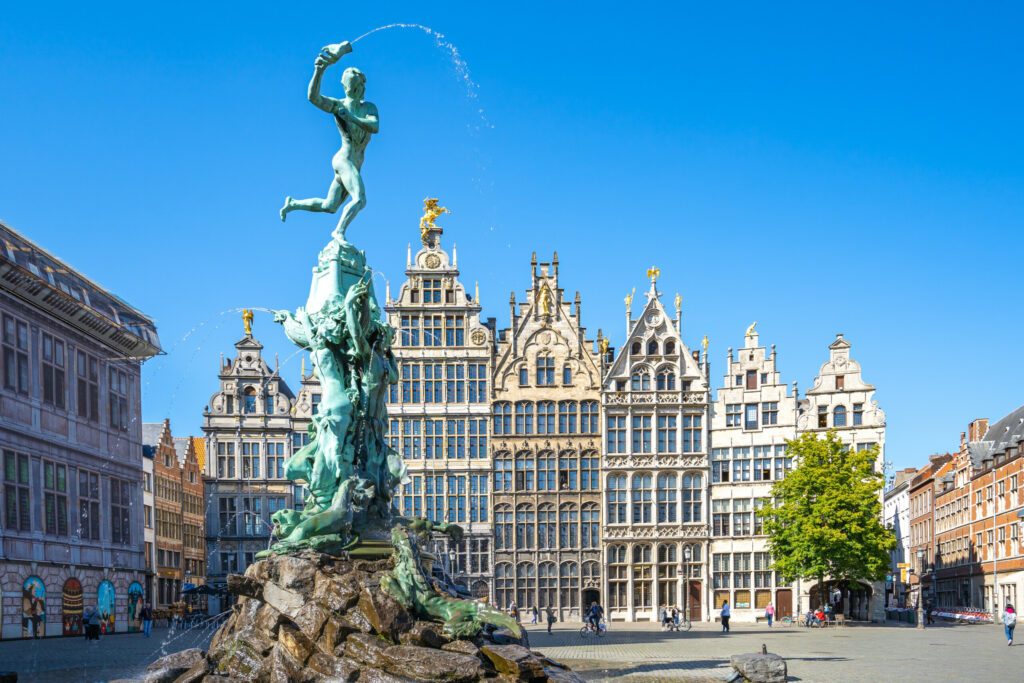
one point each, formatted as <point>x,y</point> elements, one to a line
<point>349,471</point>
<point>409,584</point>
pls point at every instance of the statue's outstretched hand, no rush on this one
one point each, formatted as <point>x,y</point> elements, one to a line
<point>281,316</point>
<point>332,53</point>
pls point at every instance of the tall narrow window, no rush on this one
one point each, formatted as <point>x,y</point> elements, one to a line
<point>751,380</point>
<point>566,375</point>
<point>502,419</point>
<point>567,417</point>
<point>691,434</point>
<point>545,371</point>
<point>822,416</point>
<point>524,376</point>
<point>546,417</point>
<point>55,491</point>
<point>641,425</point>
<point>616,499</point>
<point>455,330</point>
<point>568,527</point>
<point>524,417</point>
<point>588,418</point>
<point>477,383</point>
<point>666,380</point>
<point>88,505</point>
<point>118,400</point>
<point>88,372</point>
<point>692,498</point>
<point>590,526</point>
<point>54,392</point>
<point>432,328</point>
<point>17,504</point>
<point>547,529</point>
<point>666,498</point>
<point>120,504</point>
<point>750,416</point>
<point>858,414</point>
<point>15,343</point>
<point>642,499</point>
<point>666,433</point>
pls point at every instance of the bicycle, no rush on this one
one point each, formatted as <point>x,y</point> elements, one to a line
<point>588,628</point>
<point>678,626</point>
<point>785,621</point>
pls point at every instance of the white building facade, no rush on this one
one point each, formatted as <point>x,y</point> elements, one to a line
<point>753,416</point>
<point>655,470</point>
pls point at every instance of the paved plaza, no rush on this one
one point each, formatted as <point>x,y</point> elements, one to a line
<point>860,654</point>
<point>631,652</point>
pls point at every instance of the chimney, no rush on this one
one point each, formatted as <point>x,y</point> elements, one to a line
<point>977,429</point>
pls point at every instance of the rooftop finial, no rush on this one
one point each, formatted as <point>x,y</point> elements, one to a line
<point>428,230</point>
<point>247,321</point>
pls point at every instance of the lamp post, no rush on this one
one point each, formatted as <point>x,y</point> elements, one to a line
<point>920,588</point>
<point>687,554</point>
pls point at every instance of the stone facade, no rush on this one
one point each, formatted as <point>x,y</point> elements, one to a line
<point>546,451</point>
<point>253,423</point>
<point>70,441</point>
<point>440,412</point>
<point>753,416</point>
<point>655,459</point>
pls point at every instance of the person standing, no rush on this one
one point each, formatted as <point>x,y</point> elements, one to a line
<point>726,613</point>
<point>1009,621</point>
<point>533,615</point>
<point>94,625</point>
<point>769,613</point>
<point>147,619</point>
<point>550,614</point>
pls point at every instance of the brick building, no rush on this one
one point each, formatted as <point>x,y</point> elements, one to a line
<point>922,494</point>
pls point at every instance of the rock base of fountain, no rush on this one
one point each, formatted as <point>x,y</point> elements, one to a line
<point>313,617</point>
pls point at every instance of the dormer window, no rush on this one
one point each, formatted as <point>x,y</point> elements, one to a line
<point>670,347</point>
<point>249,398</point>
<point>431,290</point>
<point>635,349</point>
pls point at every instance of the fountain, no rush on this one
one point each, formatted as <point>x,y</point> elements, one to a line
<point>346,593</point>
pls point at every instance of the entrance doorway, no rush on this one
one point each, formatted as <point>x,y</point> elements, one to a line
<point>591,595</point>
<point>695,601</point>
<point>783,603</point>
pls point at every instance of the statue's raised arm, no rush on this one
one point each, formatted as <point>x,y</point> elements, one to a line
<point>357,120</point>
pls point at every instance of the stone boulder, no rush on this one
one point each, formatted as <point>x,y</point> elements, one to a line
<point>760,668</point>
<point>312,618</point>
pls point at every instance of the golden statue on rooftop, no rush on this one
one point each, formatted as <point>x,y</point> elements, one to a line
<point>247,321</point>
<point>431,212</point>
<point>629,299</point>
<point>750,330</point>
<point>653,273</point>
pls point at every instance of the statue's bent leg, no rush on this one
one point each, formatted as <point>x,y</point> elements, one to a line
<point>335,196</point>
<point>353,182</point>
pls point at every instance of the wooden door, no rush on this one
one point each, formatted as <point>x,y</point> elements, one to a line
<point>783,603</point>
<point>695,601</point>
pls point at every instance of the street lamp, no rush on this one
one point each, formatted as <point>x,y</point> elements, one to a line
<point>920,588</point>
<point>687,554</point>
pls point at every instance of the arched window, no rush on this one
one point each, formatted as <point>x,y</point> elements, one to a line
<point>525,467</point>
<point>502,418</point>
<point>667,498</point>
<point>670,347</point>
<point>588,418</point>
<point>249,401</point>
<point>666,380</point>
<point>642,495</point>
<point>525,523</point>
<point>643,572</point>
<point>546,417</point>
<point>839,416</point>
<point>640,381</point>
<point>668,570</point>
<point>617,499</point>
<point>635,348</point>
<point>618,577</point>
<point>548,585</point>
<point>652,347</point>
<point>692,560</point>
<point>569,580</point>
<point>524,417</point>
<point>503,471</point>
<point>545,371</point>
<point>568,472</point>
<point>590,526</point>
<point>591,573</point>
<point>479,589</point>
<point>567,417</point>
<point>526,584</point>
<point>568,527</point>
<point>546,528</point>
<point>547,479</point>
<point>692,498</point>
<point>503,528</point>
<point>71,607</point>
<point>504,583</point>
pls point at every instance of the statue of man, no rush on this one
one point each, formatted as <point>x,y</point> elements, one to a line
<point>357,121</point>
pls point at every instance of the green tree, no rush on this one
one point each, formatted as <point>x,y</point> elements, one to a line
<point>826,515</point>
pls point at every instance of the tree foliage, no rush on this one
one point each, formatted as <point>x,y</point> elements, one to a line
<point>827,514</point>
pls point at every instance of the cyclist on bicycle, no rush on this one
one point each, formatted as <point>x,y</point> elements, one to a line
<point>594,615</point>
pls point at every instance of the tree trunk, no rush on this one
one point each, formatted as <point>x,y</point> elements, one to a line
<point>821,590</point>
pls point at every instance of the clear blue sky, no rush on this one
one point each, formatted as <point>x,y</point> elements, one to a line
<point>818,170</point>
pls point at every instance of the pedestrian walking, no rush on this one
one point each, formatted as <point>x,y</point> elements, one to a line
<point>147,619</point>
<point>94,625</point>
<point>769,614</point>
<point>1009,621</point>
<point>726,613</point>
<point>550,614</point>
<point>533,615</point>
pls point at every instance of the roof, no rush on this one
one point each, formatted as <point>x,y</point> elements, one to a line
<point>1007,432</point>
<point>928,472</point>
<point>199,443</point>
